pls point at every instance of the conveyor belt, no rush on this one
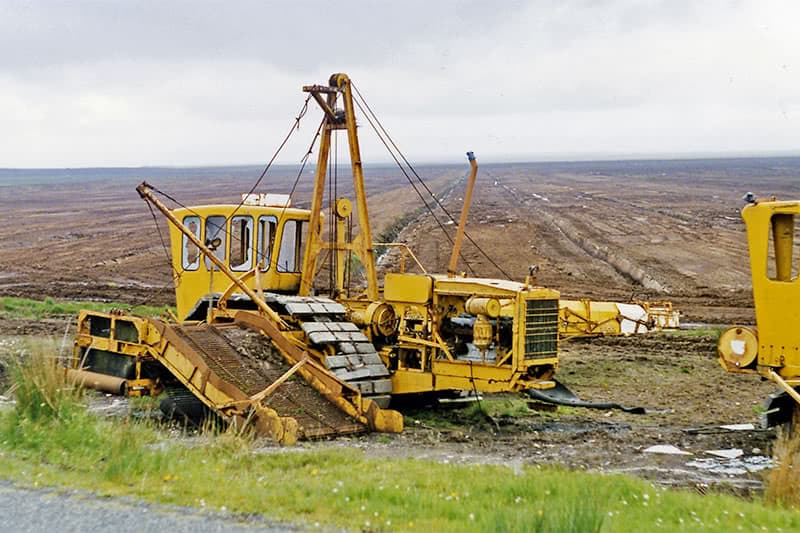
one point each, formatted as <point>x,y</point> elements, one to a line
<point>315,415</point>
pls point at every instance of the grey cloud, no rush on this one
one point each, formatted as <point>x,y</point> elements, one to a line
<point>86,83</point>
<point>290,35</point>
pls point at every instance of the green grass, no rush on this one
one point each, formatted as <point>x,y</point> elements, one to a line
<point>23,308</point>
<point>341,488</point>
<point>499,407</point>
<point>49,439</point>
<point>711,332</point>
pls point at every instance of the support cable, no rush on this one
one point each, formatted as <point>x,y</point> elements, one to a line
<point>295,127</point>
<point>419,178</point>
<point>175,273</point>
<point>303,162</point>
<point>411,182</point>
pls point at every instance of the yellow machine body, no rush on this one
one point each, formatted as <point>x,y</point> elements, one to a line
<point>585,318</point>
<point>436,349</point>
<point>255,267</point>
<point>772,349</point>
<point>773,237</point>
<point>422,325</point>
<point>588,318</point>
<point>150,353</point>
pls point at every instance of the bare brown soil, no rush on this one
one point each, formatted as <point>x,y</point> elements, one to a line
<point>95,239</point>
<point>678,380</point>
<point>653,230</point>
<point>606,230</point>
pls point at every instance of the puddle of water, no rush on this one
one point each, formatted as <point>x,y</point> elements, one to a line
<point>732,467</point>
<point>580,428</point>
<point>108,405</point>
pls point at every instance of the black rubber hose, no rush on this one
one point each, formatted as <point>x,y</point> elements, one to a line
<point>561,395</point>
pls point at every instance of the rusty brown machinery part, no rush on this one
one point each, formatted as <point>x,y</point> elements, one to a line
<point>101,382</point>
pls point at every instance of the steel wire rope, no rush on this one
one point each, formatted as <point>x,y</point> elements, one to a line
<point>411,182</point>
<point>176,274</point>
<point>475,391</point>
<point>295,127</point>
<point>303,162</point>
<point>335,256</point>
<point>419,178</point>
<point>332,172</point>
<point>330,228</point>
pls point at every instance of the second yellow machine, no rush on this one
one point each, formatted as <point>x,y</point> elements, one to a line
<point>772,349</point>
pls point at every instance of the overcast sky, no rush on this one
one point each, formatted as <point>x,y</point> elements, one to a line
<point>114,83</point>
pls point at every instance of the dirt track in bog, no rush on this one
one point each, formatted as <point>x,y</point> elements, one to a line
<point>612,230</point>
<point>605,230</point>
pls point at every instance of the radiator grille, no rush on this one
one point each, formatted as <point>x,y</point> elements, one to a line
<point>541,329</point>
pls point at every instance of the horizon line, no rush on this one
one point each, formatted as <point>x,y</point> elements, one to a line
<point>511,159</point>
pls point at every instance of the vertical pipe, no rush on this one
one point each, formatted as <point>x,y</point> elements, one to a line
<point>451,271</point>
<point>341,258</point>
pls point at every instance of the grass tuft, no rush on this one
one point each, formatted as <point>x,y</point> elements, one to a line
<point>712,333</point>
<point>41,389</point>
<point>24,308</point>
<point>783,481</point>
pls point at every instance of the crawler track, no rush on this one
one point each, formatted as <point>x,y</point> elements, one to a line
<point>349,353</point>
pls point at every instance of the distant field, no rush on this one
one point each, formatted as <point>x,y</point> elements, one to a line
<point>659,229</point>
<point>58,176</point>
<point>762,167</point>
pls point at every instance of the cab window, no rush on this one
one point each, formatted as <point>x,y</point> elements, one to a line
<point>290,257</point>
<point>267,228</point>
<point>241,252</point>
<point>215,238</point>
<point>190,253</point>
<point>783,250</point>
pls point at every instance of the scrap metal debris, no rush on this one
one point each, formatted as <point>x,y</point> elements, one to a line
<point>667,449</point>
<point>732,453</point>
<point>733,467</point>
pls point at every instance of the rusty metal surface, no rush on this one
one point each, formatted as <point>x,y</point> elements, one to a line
<point>246,360</point>
<point>222,358</point>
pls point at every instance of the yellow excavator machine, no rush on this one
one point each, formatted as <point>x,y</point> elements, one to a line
<point>771,349</point>
<point>253,267</point>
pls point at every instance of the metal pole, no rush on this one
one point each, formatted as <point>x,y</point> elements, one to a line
<point>451,271</point>
<point>365,242</point>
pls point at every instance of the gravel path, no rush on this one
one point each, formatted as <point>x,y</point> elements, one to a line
<point>28,510</point>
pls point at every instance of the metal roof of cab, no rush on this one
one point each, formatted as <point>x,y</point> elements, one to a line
<point>220,209</point>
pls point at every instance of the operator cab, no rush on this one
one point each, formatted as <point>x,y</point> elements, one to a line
<point>259,240</point>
